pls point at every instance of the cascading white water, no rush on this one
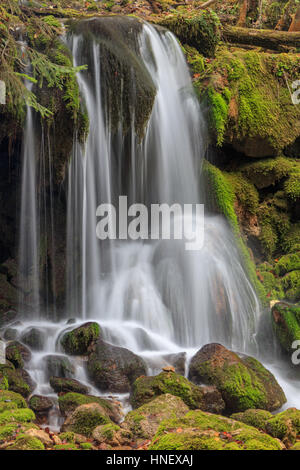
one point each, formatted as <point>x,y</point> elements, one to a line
<point>154,297</point>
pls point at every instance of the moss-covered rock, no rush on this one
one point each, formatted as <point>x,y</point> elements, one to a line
<point>203,431</point>
<point>34,338</point>
<point>108,434</point>
<point>40,404</point>
<point>285,426</point>
<point>19,381</point>
<point>144,389</point>
<point>58,366</point>
<point>24,442</point>
<point>70,401</point>
<point>113,368</point>
<point>3,382</point>
<point>60,384</point>
<point>201,31</point>
<point>255,418</point>
<point>243,382</point>
<point>20,415</point>
<point>85,419</point>
<point>77,341</point>
<point>10,397</point>
<point>17,354</point>
<point>286,324</point>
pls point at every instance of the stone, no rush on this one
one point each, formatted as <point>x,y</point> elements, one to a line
<point>77,341</point>
<point>40,435</point>
<point>70,401</point>
<point>64,385</point>
<point>58,366</point>
<point>40,404</point>
<point>34,338</point>
<point>17,354</point>
<point>84,419</point>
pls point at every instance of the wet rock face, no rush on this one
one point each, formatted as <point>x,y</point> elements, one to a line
<point>77,341</point>
<point>146,389</point>
<point>286,325</point>
<point>58,366</point>
<point>243,382</point>
<point>63,385</point>
<point>34,338</point>
<point>17,354</point>
<point>113,368</point>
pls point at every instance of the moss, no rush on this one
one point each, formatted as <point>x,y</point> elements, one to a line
<point>67,436</point>
<point>16,382</point>
<point>12,397</point>
<point>7,406</point>
<point>218,105</point>
<point>286,324</point>
<point>292,184</point>
<point>69,401</point>
<point>65,447</point>
<point>77,341</point>
<point>245,191</point>
<point>291,242</point>
<point>287,263</point>
<point>199,431</point>
<point>86,446</point>
<point>3,382</point>
<point>291,284</point>
<point>7,431</point>
<point>200,30</point>
<point>24,442</point>
<point>267,172</point>
<point>255,418</point>
<point>285,425</point>
<point>85,420</point>
<point>295,446</point>
<point>17,415</point>
<point>107,431</point>
<point>144,389</point>
<point>52,21</point>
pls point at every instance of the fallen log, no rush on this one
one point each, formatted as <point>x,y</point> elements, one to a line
<point>268,39</point>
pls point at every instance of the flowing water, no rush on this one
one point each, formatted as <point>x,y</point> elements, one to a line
<point>151,296</point>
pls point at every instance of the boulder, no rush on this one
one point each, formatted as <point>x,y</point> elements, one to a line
<point>25,442</point>
<point>244,383</point>
<point>19,381</point>
<point>144,389</point>
<point>58,366</point>
<point>17,354</point>
<point>40,404</point>
<point>113,368</point>
<point>199,430</point>
<point>178,361</point>
<point>64,385</point>
<point>285,426</point>
<point>9,397</point>
<point>10,334</point>
<point>255,418</point>
<point>3,382</point>
<point>70,401</point>
<point>7,317</point>
<point>34,338</point>
<point>286,325</point>
<point>40,435</point>
<point>84,419</point>
<point>77,341</point>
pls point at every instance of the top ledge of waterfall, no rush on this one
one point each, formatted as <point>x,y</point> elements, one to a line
<point>127,89</point>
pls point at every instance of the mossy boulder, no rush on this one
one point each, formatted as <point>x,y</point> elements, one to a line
<point>19,381</point>
<point>286,325</point>
<point>24,442</point>
<point>77,341</point>
<point>40,404</point>
<point>58,366</point>
<point>244,383</point>
<point>107,434</point>
<point>17,354</point>
<point>70,401</point>
<point>85,418</point>
<point>9,397</point>
<point>295,446</point>
<point>3,382</point>
<point>285,426</point>
<point>143,422</point>
<point>20,415</point>
<point>201,31</point>
<point>63,385</point>
<point>255,418</point>
<point>34,338</point>
<point>113,368</point>
<point>144,389</point>
<point>199,430</point>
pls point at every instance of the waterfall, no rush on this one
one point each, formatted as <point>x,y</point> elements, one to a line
<point>151,296</point>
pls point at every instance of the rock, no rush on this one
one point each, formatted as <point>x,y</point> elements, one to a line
<point>17,354</point>
<point>199,430</point>
<point>19,415</point>
<point>143,422</point>
<point>9,397</point>
<point>243,382</point>
<point>177,361</point>
<point>84,419</point>
<point>113,368</point>
<point>108,434</point>
<point>77,341</point>
<point>7,317</point>
<point>61,384</point>
<point>3,382</point>
<point>144,389</point>
<point>58,366</point>
<point>56,439</point>
<point>40,404</point>
<point>255,418</point>
<point>70,401</point>
<point>286,325</point>
<point>19,381</point>
<point>10,334</point>
<point>70,321</point>
<point>285,426</point>
<point>168,369</point>
<point>40,435</point>
<point>34,338</point>
<point>24,442</point>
